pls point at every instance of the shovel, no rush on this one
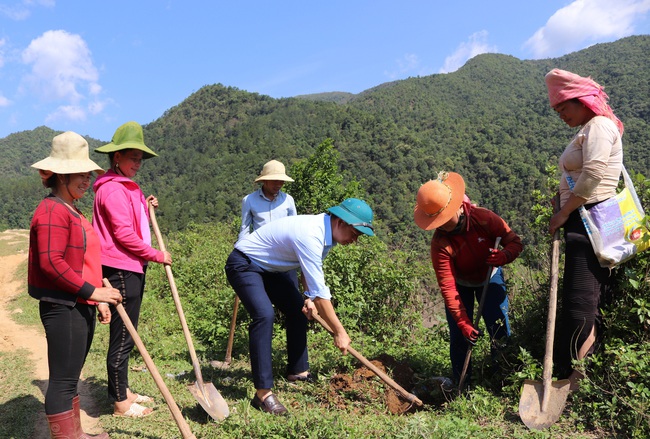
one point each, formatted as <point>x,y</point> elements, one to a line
<point>385,378</point>
<point>541,403</point>
<point>169,399</point>
<point>205,393</point>
<point>477,320</point>
<point>225,364</point>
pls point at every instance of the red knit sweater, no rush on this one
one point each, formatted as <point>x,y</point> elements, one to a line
<point>57,243</point>
<point>462,256</point>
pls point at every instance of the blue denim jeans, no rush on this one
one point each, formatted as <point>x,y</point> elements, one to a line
<point>259,291</point>
<point>495,317</point>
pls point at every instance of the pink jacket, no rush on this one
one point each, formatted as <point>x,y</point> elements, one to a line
<point>117,220</point>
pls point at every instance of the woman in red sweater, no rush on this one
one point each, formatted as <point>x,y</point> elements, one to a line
<point>65,275</point>
<point>461,253</point>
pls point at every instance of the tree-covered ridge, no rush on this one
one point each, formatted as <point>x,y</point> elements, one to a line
<point>489,121</point>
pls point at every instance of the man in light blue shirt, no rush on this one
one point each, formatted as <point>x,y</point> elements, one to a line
<point>268,203</point>
<point>258,270</point>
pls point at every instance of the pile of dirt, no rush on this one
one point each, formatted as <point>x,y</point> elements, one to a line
<point>364,387</point>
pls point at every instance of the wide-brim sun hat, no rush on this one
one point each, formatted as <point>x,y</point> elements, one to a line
<point>69,155</point>
<point>273,170</point>
<point>128,136</point>
<point>356,213</point>
<point>438,200</point>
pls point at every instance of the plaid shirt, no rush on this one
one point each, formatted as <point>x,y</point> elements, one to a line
<point>57,245</point>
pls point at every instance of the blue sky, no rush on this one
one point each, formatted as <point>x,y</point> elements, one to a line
<point>91,65</point>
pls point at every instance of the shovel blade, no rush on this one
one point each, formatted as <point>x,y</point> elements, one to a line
<point>210,399</point>
<point>530,404</point>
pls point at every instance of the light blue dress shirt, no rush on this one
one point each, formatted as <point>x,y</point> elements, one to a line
<point>293,242</point>
<point>257,210</point>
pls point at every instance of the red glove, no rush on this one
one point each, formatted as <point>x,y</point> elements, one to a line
<point>469,332</point>
<point>497,258</point>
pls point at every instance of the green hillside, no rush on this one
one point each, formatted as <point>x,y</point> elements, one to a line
<point>489,121</point>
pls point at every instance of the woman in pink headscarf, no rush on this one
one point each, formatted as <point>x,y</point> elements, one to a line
<point>593,160</point>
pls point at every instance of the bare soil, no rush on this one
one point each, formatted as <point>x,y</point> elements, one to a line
<point>362,386</point>
<point>32,339</point>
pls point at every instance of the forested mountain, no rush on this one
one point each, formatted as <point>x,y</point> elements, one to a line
<point>489,121</point>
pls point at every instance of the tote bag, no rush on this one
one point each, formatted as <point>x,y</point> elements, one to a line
<point>616,227</point>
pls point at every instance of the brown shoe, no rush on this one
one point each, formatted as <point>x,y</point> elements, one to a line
<point>270,405</point>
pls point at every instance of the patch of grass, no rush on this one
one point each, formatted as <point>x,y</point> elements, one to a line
<point>488,411</point>
<point>24,308</point>
<point>13,242</point>
<point>19,403</point>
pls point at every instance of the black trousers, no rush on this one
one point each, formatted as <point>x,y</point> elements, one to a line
<point>120,345</point>
<point>69,331</point>
<point>585,282</point>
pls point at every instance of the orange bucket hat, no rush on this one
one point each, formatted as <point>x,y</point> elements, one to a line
<point>438,200</point>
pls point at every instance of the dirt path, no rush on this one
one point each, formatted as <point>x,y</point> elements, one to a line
<point>16,337</point>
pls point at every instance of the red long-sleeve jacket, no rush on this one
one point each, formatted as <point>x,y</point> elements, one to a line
<point>461,257</point>
<point>57,244</point>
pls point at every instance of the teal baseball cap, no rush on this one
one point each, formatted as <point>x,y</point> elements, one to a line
<point>356,213</point>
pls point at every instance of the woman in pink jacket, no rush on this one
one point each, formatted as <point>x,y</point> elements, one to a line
<point>121,219</point>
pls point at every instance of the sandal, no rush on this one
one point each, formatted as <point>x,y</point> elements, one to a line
<point>135,411</point>
<point>143,399</point>
<point>309,378</point>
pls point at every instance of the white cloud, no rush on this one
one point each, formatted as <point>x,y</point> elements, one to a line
<point>62,71</point>
<point>3,42</point>
<point>68,113</point>
<point>586,22</point>
<point>96,107</point>
<point>4,102</point>
<point>409,65</point>
<point>22,10</point>
<point>406,65</point>
<point>476,44</point>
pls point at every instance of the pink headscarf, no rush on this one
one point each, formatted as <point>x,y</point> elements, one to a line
<point>563,85</point>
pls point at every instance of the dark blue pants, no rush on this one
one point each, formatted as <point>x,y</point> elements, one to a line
<point>495,317</point>
<point>69,331</point>
<point>259,291</point>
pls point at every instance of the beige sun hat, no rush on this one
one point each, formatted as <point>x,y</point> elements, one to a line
<point>438,200</point>
<point>69,155</point>
<point>273,170</point>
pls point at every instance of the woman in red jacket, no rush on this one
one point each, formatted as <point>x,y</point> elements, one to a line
<point>461,253</point>
<point>65,275</point>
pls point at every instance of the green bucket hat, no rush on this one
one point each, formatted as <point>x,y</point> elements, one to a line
<point>356,213</point>
<point>128,136</point>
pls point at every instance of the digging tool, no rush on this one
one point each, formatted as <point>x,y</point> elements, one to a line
<point>477,320</point>
<point>542,403</point>
<point>231,337</point>
<point>169,399</point>
<point>385,378</point>
<point>205,393</point>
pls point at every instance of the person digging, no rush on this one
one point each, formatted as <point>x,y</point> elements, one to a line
<point>258,270</point>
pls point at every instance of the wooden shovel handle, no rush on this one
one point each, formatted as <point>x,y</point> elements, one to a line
<point>176,413</point>
<point>547,372</point>
<point>231,335</point>
<point>406,395</point>
<point>177,301</point>
<point>477,320</point>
